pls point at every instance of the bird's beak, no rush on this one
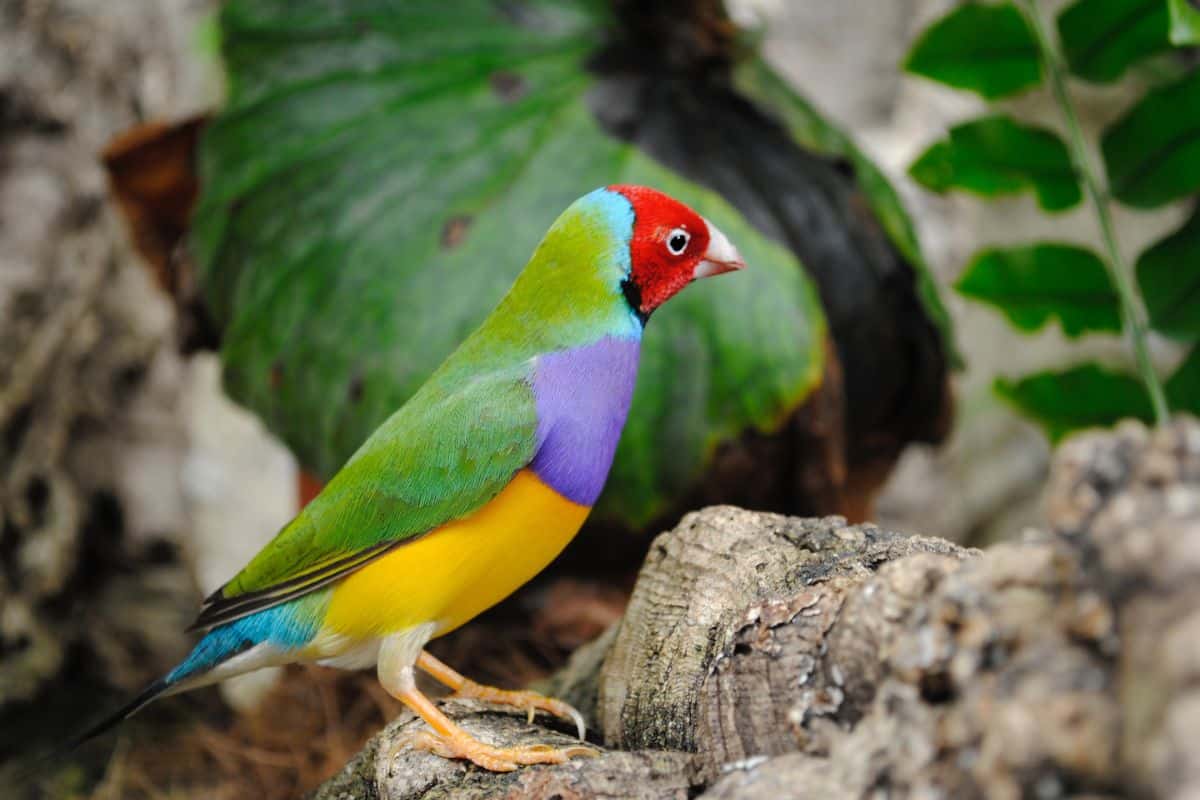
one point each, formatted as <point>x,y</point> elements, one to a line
<point>720,257</point>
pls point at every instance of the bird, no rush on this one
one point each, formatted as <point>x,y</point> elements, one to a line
<point>473,485</point>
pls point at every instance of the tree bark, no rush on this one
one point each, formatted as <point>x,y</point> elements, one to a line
<point>722,649</point>
<point>763,657</point>
<point>389,770</point>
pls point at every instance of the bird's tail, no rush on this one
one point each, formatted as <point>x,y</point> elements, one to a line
<point>28,776</point>
<point>216,648</point>
<point>107,723</point>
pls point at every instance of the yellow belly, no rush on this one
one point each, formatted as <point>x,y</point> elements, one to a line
<point>457,571</point>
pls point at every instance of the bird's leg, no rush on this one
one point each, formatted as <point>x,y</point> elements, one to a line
<point>446,738</point>
<point>530,702</point>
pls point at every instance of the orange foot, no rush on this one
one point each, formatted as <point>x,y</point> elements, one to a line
<point>448,740</point>
<point>457,743</point>
<point>530,702</point>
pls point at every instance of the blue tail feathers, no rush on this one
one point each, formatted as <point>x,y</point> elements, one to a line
<point>286,626</point>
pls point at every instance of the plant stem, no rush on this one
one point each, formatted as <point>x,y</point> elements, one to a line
<point>1132,311</point>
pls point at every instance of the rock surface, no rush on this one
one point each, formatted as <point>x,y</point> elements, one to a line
<point>767,657</point>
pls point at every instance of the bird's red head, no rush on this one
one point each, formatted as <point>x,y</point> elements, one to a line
<point>671,247</point>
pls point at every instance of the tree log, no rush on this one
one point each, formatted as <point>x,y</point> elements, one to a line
<point>725,646</point>
<point>388,769</point>
<point>764,657</point>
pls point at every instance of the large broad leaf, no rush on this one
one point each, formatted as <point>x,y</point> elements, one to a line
<point>997,155</point>
<point>1169,276</point>
<point>1034,284</point>
<point>1102,38</point>
<point>1084,396</point>
<point>1183,387</point>
<point>1153,153</point>
<point>381,174</point>
<point>1185,22</point>
<point>988,49</point>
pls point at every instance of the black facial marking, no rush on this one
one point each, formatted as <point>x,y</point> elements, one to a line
<point>633,296</point>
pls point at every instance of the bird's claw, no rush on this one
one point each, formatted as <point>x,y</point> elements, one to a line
<point>462,745</point>
<point>531,702</point>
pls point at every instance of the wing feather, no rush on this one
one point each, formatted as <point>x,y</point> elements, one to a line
<point>453,447</point>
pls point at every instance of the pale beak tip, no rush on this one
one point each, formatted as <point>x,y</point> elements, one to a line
<point>721,256</point>
<point>709,267</point>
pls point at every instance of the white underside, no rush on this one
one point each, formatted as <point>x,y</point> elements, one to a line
<point>397,655</point>
<point>257,657</point>
<point>358,656</point>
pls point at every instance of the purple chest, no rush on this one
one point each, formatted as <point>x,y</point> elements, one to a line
<point>583,397</point>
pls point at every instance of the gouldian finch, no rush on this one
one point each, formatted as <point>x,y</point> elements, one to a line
<point>474,485</point>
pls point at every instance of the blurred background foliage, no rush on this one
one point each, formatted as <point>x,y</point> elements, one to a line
<point>365,196</point>
<point>1151,158</point>
<point>380,173</point>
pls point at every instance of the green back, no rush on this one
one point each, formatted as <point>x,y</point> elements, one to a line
<point>463,436</point>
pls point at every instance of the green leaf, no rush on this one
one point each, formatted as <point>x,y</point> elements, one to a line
<point>811,130</point>
<point>1169,276</point>
<point>1152,154</point>
<point>1185,22</point>
<point>1183,387</point>
<point>1031,285</point>
<point>1083,396</point>
<point>996,155</point>
<point>1102,38</point>
<point>381,174</point>
<point>988,49</point>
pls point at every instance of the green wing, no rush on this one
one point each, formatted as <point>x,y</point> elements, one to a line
<point>453,447</point>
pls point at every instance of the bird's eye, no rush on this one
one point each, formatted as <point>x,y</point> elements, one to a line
<point>677,241</point>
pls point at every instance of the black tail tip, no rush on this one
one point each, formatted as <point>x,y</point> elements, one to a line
<point>114,719</point>
<point>25,778</point>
